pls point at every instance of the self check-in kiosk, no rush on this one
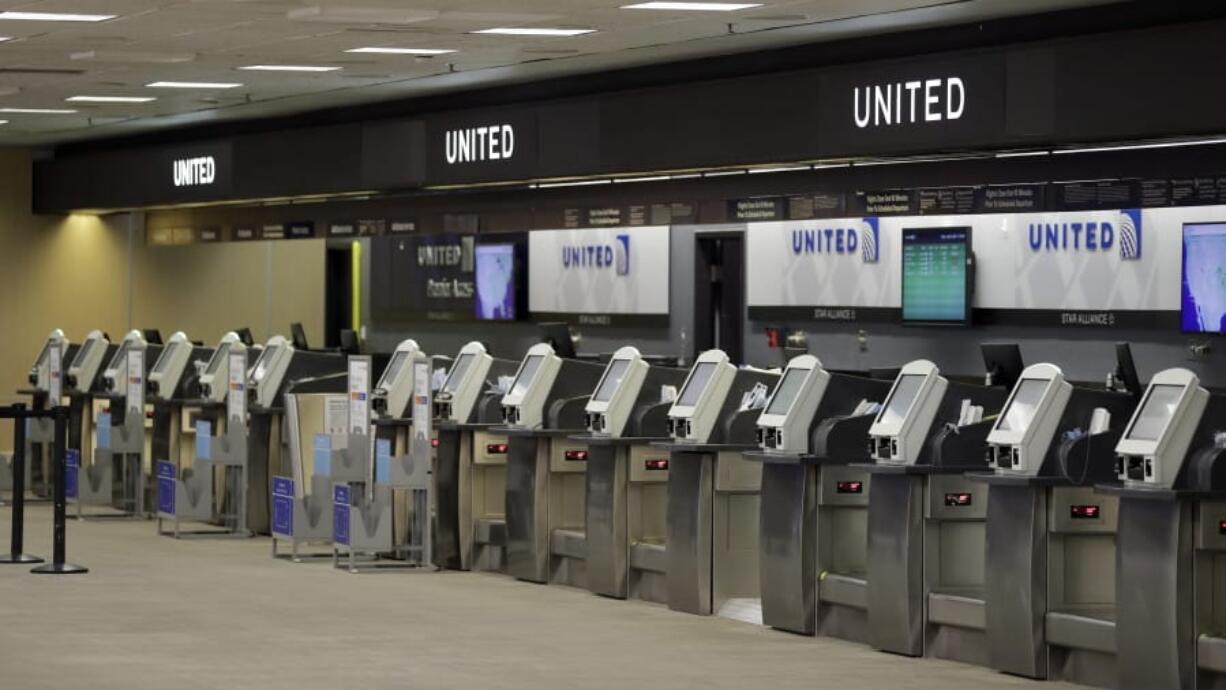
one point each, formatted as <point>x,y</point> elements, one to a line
<point>545,469</point>
<point>1170,564</point>
<point>1048,582</point>
<point>471,462</point>
<point>923,593</point>
<point>710,551</point>
<point>626,481</point>
<point>119,474</point>
<point>812,520</point>
<point>46,380</point>
<point>81,382</point>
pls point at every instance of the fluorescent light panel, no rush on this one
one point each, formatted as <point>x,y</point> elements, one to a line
<point>192,85</point>
<point>576,183</point>
<point>55,17</point>
<point>4,122</point>
<point>38,111</point>
<point>288,68</point>
<point>529,31</point>
<point>377,50</point>
<point>110,99</point>
<point>692,6</point>
<point>1138,147</point>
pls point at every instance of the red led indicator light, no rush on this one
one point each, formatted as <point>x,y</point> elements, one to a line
<point>657,464</point>
<point>1086,512</point>
<point>958,499</point>
<point>849,487</point>
<point>576,455</point>
<point>496,449</point>
<point>1221,527</point>
<point>434,442</point>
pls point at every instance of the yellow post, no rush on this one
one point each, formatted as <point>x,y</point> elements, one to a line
<point>356,272</point>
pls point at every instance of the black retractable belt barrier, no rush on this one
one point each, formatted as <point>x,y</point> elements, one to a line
<point>59,457</point>
<point>16,554</point>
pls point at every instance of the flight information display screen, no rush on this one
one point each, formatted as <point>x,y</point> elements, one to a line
<point>695,385</point>
<point>457,373</point>
<point>1020,412</point>
<point>1155,413</point>
<point>899,404</point>
<point>526,373</point>
<point>936,275</point>
<point>1203,305</point>
<point>785,393</point>
<point>612,379</point>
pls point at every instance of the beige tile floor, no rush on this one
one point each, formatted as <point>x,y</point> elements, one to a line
<point>156,613</point>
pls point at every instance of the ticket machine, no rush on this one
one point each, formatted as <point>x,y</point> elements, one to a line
<point>924,589</point>
<point>710,553</point>
<point>1048,580</point>
<point>279,365</point>
<point>121,437</point>
<point>625,482</point>
<point>545,469</point>
<point>471,462</point>
<point>41,431</point>
<point>1170,565</point>
<point>812,519</point>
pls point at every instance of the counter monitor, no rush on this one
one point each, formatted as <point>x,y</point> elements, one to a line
<point>1203,301</point>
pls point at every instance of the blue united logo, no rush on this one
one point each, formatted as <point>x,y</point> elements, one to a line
<point>1130,234</point>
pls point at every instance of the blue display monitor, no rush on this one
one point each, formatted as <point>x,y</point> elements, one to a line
<point>937,276</point>
<point>1203,304</point>
<point>496,282</point>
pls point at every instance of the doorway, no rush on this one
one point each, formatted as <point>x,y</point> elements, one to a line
<point>719,294</point>
<point>338,293</point>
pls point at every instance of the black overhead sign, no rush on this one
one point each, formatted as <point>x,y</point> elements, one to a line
<point>492,145</point>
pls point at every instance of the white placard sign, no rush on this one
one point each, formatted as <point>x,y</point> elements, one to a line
<point>422,408</point>
<point>236,396</point>
<point>359,395</point>
<point>621,270</point>
<point>844,262</point>
<point>135,388</point>
<point>336,414</point>
<point>55,379</point>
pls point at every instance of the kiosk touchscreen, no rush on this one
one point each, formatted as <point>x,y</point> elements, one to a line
<point>784,424</point>
<point>1158,437</point>
<point>392,394</point>
<point>214,380</point>
<point>701,401</point>
<point>85,365</point>
<point>39,372</point>
<point>1023,432</point>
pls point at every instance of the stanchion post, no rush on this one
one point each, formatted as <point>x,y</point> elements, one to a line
<point>59,453</point>
<point>16,554</point>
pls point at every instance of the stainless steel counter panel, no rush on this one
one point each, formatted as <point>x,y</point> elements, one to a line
<point>788,534</point>
<point>1016,579</point>
<point>527,505</point>
<point>608,548</point>
<point>1154,585</point>
<point>896,597</point>
<point>690,502</point>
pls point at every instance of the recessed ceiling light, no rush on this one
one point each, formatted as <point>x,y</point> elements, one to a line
<point>193,85</point>
<point>110,99</point>
<point>692,6</point>
<point>5,38</point>
<point>530,31</point>
<point>4,122</point>
<point>37,111</point>
<point>55,17</point>
<point>288,68</point>
<point>401,51</point>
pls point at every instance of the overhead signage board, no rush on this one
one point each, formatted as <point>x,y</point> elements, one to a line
<point>600,276</point>
<point>917,105</point>
<point>498,144</point>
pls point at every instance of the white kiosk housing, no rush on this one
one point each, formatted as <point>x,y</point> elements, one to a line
<point>904,421</point>
<point>784,424</point>
<point>214,381</point>
<point>1156,441</point>
<point>524,404</point>
<point>697,409</point>
<point>1024,430</point>
<point>610,406</point>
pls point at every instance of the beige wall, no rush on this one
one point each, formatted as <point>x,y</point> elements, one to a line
<point>73,273</point>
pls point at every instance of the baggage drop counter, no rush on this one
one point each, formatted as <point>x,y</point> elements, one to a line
<point>626,478</point>
<point>1171,544</point>
<point>924,589</point>
<point>545,470</point>
<point>812,523</point>
<point>710,554</point>
<point>1050,538</point>
<point>471,463</point>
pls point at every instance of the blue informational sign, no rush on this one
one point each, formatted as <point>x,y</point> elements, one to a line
<point>323,455</point>
<point>167,476</point>
<point>340,514</point>
<point>104,431</point>
<point>383,461</point>
<point>204,435</point>
<point>72,465</point>
<point>283,506</point>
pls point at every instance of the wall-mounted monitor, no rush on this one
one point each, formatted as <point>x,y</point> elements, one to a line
<point>937,276</point>
<point>497,284</point>
<point>1203,305</point>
